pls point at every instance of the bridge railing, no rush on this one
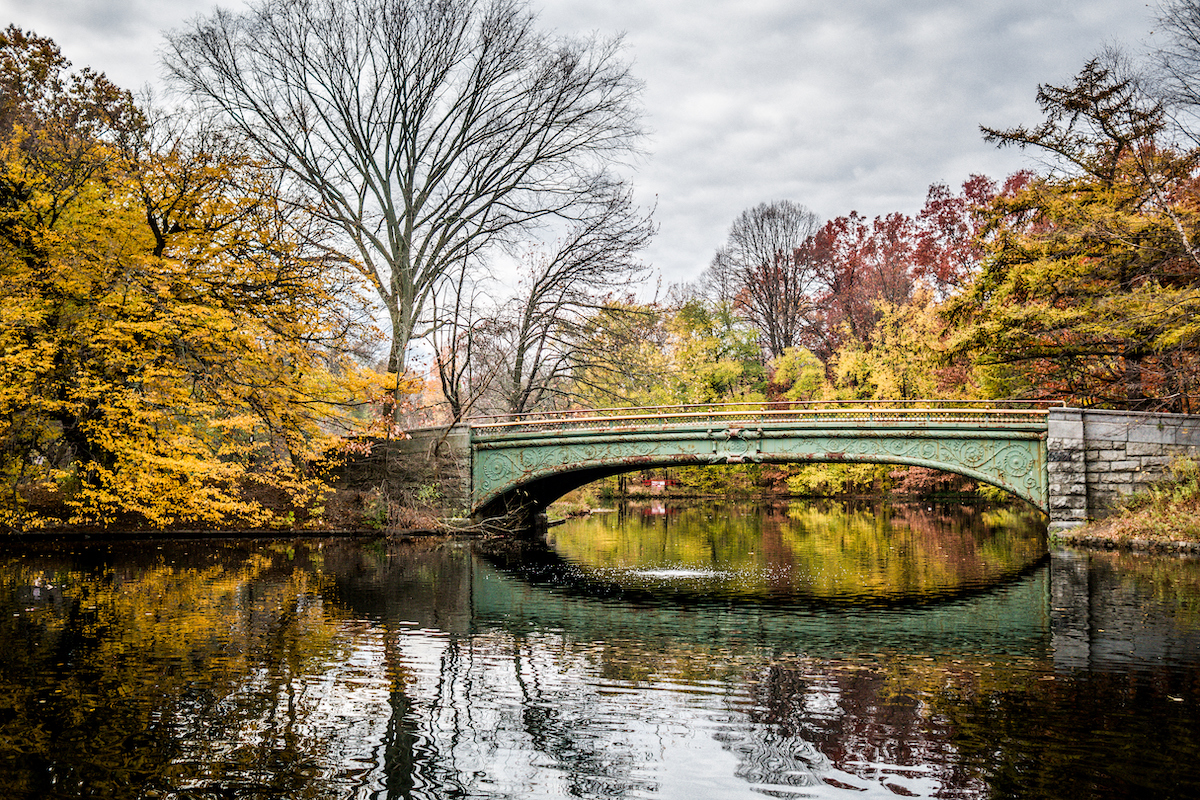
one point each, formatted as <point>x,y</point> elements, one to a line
<point>913,412</point>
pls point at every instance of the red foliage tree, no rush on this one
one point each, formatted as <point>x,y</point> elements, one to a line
<point>862,263</point>
<point>949,227</point>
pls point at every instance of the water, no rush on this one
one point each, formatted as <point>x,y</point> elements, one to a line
<point>669,653</point>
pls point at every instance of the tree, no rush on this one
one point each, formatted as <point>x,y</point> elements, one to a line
<point>713,356</point>
<point>797,375</point>
<point>764,261</point>
<point>565,291</point>
<point>905,358</point>
<point>949,229</point>
<point>1178,59</point>
<point>720,282</point>
<point>630,343</point>
<point>1091,284</point>
<point>169,334</point>
<point>462,343</point>
<point>861,264</point>
<point>428,130</point>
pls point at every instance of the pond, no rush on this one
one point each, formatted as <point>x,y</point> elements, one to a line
<point>817,650</point>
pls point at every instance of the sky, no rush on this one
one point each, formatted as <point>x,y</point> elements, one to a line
<point>857,105</point>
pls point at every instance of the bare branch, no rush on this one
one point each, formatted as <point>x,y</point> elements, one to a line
<point>431,130</point>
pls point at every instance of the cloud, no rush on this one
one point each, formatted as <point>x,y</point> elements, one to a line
<point>855,106</point>
<point>117,37</point>
<point>839,106</point>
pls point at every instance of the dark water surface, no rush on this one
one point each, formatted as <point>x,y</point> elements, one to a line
<point>718,652</point>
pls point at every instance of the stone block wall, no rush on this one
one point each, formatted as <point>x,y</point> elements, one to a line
<point>433,457</point>
<point>1095,457</point>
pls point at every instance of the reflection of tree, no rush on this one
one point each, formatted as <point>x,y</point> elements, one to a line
<point>349,671</point>
<point>1109,735</point>
<point>557,724</point>
<point>402,737</point>
<point>1172,585</point>
<point>833,552</point>
<point>513,709</point>
<point>477,708</point>
<point>974,727</point>
<point>56,723</point>
<point>426,585</point>
<point>964,722</point>
<point>196,677</point>
<point>776,552</point>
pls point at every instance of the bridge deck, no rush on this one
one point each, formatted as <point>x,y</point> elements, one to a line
<point>753,415</point>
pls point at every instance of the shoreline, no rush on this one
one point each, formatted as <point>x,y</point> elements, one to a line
<point>1125,532</point>
<point>1122,531</point>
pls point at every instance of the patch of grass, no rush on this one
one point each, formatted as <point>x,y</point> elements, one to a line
<point>561,509</point>
<point>1167,511</point>
<point>577,503</point>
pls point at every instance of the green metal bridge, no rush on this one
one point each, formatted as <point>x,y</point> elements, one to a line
<point>532,461</point>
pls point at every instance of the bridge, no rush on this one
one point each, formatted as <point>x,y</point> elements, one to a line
<point>519,461</point>
<point>1071,464</point>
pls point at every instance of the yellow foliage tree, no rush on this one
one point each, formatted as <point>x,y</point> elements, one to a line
<point>907,357</point>
<point>712,358</point>
<point>172,335</point>
<point>1090,288</point>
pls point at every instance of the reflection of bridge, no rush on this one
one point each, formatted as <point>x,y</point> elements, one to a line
<point>1067,462</point>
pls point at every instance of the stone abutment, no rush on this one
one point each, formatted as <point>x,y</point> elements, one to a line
<point>432,466</point>
<point>1094,458</point>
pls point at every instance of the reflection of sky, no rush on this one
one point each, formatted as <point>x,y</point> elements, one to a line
<point>530,717</point>
<point>535,716</point>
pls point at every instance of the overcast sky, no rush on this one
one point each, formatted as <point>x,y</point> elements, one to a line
<point>852,105</point>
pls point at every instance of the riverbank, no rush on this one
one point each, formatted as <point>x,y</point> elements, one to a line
<point>1139,531</point>
<point>1163,518</point>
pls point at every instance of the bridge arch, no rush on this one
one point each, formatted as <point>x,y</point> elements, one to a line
<point>530,463</point>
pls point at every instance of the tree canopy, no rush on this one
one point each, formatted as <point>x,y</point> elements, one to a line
<point>171,331</point>
<point>1090,285</point>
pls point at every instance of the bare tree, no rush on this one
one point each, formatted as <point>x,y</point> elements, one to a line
<point>766,261</point>
<point>545,333</point>
<point>720,282</point>
<point>459,337</point>
<point>428,130</point>
<point>1178,59</point>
